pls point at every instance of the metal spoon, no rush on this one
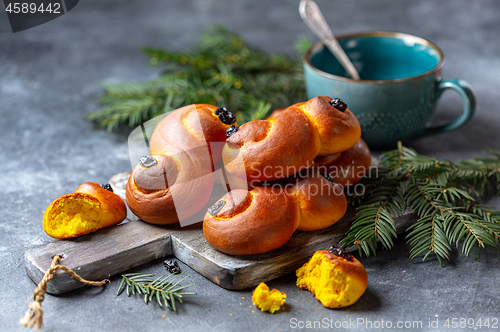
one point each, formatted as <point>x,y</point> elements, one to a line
<point>312,16</point>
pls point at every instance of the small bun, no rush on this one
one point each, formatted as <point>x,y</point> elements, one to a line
<point>335,281</point>
<point>269,150</point>
<point>289,140</point>
<point>187,128</point>
<point>87,210</point>
<point>150,189</point>
<point>264,218</point>
<point>338,130</point>
<point>248,223</point>
<point>322,203</point>
<point>178,182</point>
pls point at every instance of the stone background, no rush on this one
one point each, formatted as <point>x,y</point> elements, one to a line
<point>51,75</point>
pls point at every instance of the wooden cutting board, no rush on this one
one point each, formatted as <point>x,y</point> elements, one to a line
<point>120,248</point>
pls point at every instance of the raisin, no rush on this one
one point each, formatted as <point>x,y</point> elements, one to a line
<point>225,115</point>
<point>339,104</point>
<point>147,161</point>
<point>231,130</point>
<point>341,252</point>
<point>172,266</point>
<point>107,186</point>
<point>214,209</point>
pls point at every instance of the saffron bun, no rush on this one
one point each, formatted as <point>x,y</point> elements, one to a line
<point>87,210</point>
<point>321,202</point>
<point>251,222</point>
<point>176,180</point>
<point>348,167</point>
<point>336,281</point>
<point>290,140</point>
<point>248,222</point>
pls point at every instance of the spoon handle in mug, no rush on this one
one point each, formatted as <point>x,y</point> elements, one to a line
<point>312,16</point>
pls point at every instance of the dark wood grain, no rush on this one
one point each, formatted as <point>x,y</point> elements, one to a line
<point>119,248</point>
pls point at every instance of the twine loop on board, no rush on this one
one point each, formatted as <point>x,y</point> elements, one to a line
<point>34,315</point>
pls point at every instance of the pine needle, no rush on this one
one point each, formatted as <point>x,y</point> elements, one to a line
<point>165,289</point>
<point>223,71</point>
<point>443,195</point>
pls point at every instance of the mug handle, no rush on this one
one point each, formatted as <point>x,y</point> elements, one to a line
<point>469,98</point>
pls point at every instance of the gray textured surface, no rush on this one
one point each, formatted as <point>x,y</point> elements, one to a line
<point>50,77</point>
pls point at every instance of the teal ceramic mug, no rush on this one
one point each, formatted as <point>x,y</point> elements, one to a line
<point>399,86</point>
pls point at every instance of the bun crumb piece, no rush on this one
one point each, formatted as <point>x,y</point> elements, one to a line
<point>335,281</point>
<point>267,300</point>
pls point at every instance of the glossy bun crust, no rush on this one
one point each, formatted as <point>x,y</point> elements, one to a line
<point>348,167</point>
<point>322,203</point>
<point>264,218</point>
<point>185,145</point>
<point>289,140</point>
<point>251,222</point>
<point>267,150</point>
<point>338,130</point>
<point>87,210</point>
<point>335,281</point>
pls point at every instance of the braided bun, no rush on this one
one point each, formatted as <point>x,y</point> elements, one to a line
<point>264,218</point>
<point>288,142</point>
<point>251,222</point>
<point>176,181</point>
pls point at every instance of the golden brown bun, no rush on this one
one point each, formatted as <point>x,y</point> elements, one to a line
<point>289,140</point>
<point>264,218</point>
<point>335,281</point>
<point>188,128</point>
<point>184,145</point>
<point>322,203</point>
<point>338,130</point>
<point>111,202</point>
<point>267,150</point>
<point>348,167</point>
<point>251,222</point>
<point>150,190</point>
<point>87,210</point>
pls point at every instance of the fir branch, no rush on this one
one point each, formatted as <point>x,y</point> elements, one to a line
<point>375,220</point>
<point>442,194</point>
<point>165,289</point>
<point>223,70</point>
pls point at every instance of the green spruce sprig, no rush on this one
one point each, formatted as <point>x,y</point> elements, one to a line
<point>223,71</point>
<point>164,289</point>
<point>442,194</point>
